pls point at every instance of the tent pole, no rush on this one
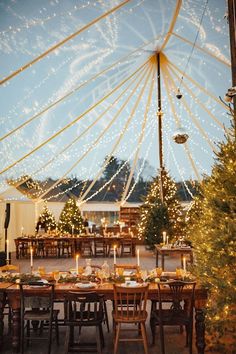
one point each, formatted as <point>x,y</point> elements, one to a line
<point>159,117</point>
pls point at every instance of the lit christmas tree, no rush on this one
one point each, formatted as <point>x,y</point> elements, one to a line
<point>156,216</point>
<point>48,219</point>
<point>70,219</point>
<point>213,233</point>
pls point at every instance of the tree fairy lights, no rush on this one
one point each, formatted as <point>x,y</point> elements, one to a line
<point>70,220</point>
<point>157,216</point>
<point>211,228</point>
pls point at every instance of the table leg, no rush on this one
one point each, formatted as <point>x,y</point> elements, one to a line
<point>200,330</point>
<point>15,329</point>
<point>157,257</point>
<point>1,319</point>
<point>163,261</point>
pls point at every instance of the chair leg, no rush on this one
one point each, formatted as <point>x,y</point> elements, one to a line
<point>106,317</point>
<point>190,339</point>
<point>67,340</point>
<point>153,330</point>
<point>50,337</point>
<point>117,338</point>
<point>57,331</point>
<point>187,335</point>
<point>98,340</point>
<point>102,336</point>
<point>28,332</point>
<point>162,339</point>
<point>9,319</point>
<point>22,337</point>
<point>144,336</point>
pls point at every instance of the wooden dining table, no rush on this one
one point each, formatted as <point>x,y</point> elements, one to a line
<point>37,243</point>
<point>166,251</point>
<point>13,294</point>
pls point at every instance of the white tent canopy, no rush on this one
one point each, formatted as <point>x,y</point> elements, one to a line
<point>78,83</point>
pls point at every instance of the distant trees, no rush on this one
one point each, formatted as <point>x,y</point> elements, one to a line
<point>116,171</point>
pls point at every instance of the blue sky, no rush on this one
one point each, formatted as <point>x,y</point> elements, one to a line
<point>122,42</point>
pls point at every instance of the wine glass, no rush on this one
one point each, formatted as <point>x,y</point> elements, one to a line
<point>144,275</point>
<point>56,275</point>
<point>100,275</point>
<point>158,272</point>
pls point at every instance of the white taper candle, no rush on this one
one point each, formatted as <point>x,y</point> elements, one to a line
<point>138,259</point>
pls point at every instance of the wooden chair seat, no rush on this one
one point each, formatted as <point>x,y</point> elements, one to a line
<point>130,316</point>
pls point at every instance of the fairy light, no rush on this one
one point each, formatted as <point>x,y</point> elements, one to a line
<point>178,168</point>
<point>111,179</point>
<point>142,165</point>
<point>42,21</point>
<point>82,201</point>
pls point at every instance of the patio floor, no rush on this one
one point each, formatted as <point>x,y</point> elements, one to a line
<point>174,341</point>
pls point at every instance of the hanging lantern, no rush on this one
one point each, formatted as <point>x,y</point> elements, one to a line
<point>180,136</point>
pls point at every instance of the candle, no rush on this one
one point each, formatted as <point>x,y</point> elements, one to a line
<point>129,229</point>
<point>22,230</point>
<point>114,254</point>
<point>184,264</point>
<point>7,247</point>
<point>138,260</point>
<point>105,227</point>
<point>77,264</point>
<point>167,240</point>
<point>164,237</point>
<point>31,257</point>
<point>72,230</point>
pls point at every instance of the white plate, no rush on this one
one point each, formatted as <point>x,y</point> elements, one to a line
<point>128,273</point>
<point>131,284</point>
<point>85,285</point>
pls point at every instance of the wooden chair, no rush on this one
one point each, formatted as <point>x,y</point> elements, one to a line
<point>37,307</point>
<point>111,242</point>
<point>83,309</point>
<point>100,248</point>
<point>126,247</point>
<point>130,308</point>
<point>50,248</point>
<point>65,248</point>
<point>177,313</point>
<point>132,268</point>
<point>86,248</point>
<point>96,268</point>
<point>24,248</point>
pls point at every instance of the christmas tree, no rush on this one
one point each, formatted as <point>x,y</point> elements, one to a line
<point>47,219</point>
<point>158,216</point>
<point>214,240</point>
<point>70,219</point>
